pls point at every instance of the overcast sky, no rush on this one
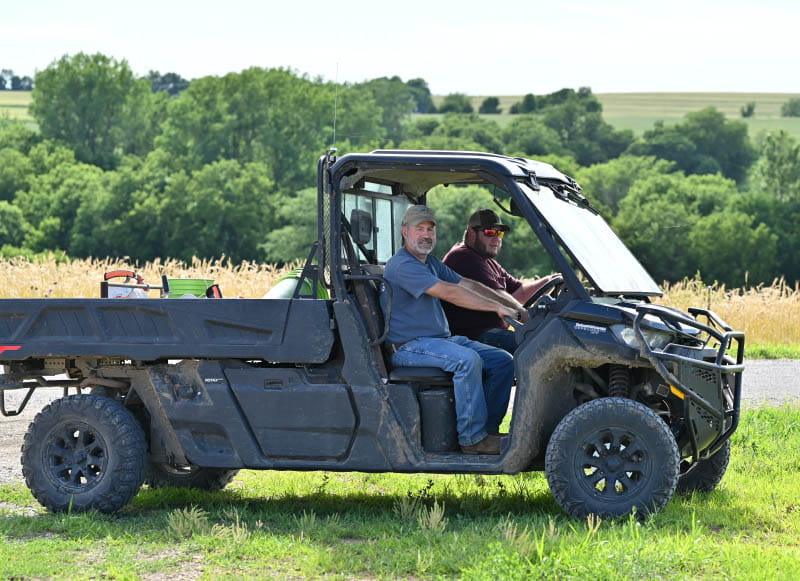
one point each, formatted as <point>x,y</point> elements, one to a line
<point>475,47</point>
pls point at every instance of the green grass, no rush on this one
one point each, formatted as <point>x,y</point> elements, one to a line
<point>640,111</point>
<point>758,351</point>
<point>15,104</point>
<point>373,526</point>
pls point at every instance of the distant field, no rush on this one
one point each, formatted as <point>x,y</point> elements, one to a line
<point>15,104</point>
<point>635,111</point>
<point>640,111</point>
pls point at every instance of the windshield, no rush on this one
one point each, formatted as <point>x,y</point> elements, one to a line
<point>599,252</point>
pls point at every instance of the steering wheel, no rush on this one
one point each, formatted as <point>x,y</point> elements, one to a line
<point>551,284</point>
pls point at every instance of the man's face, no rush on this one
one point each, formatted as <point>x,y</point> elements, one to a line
<point>484,245</point>
<point>420,239</point>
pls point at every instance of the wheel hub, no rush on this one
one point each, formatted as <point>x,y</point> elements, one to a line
<point>76,456</point>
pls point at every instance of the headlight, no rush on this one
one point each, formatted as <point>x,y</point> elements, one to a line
<point>627,335</point>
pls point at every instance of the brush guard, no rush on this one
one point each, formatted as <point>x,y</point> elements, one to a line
<point>679,370</point>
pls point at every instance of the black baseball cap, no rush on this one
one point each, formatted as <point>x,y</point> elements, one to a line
<point>487,219</point>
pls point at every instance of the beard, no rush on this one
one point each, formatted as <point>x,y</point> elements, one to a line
<point>483,249</point>
<point>422,246</point>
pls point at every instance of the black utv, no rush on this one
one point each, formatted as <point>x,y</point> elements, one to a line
<point>620,401</point>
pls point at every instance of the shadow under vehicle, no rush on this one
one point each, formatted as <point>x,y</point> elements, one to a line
<point>620,401</point>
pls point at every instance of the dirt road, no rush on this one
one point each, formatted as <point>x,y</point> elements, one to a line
<point>766,382</point>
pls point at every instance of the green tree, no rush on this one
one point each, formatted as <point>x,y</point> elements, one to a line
<point>610,182</point>
<point>94,104</point>
<point>748,109</point>
<point>791,108</point>
<point>225,208</point>
<point>490,106</point>
<point>528,136</point>
<point>659,213</point>
<point>297,230</point>
<point>15,172</point>
<point>777,170</point>
<point>704,143</point>
<point>170,83</point>
<point>456,103</point>
<point>585,133</point>
<point>52,203</point>
<point>13,226</point>
<point>729,248</point>
<point>257,115</point>
<point>782,217</point>
<point>397,100</point>
<point>527,105</point>
<point>484,132</point>
<point>422,96</point>
<point>16,135</point>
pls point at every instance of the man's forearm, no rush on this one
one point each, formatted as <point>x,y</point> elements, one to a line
<point>497,295</point>
<point>464,296</point>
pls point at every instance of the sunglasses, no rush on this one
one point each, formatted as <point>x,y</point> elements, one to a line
<point>491,233</point>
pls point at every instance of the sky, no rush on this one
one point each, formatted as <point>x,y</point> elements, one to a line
<point>479,48</point>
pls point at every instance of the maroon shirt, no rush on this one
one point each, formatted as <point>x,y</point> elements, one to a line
<point>468,263</point>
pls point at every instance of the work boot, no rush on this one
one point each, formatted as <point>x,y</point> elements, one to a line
<point>489,445</point>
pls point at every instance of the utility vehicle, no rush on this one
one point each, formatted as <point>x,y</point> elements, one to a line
<point>619,400</point>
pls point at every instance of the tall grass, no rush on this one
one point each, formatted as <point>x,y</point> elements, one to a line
<point>768,314</point>
<point>52,278</point>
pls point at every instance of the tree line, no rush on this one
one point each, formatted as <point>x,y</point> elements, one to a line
<point>162,167</point>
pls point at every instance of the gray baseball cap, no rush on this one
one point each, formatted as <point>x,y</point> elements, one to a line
<point>417,215</point>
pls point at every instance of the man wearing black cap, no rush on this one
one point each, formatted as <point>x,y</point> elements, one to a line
<point>419,335</point>
<point>474,258</point>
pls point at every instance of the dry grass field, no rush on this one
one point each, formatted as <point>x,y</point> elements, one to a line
<point>768,314</point>
<point>81,278</point>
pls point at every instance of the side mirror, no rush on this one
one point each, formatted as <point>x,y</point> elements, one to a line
<point>360,226</point>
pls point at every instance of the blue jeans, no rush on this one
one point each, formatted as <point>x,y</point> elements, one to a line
<point>502,338</point>
<point>482,377</point>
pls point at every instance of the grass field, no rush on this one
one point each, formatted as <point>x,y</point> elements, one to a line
<point>14,104</point>
<point>639,111</point>
<point>293,525</point>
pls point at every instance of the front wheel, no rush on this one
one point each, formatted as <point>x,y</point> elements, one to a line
<point>612,456</point>
<point>84,452</point>
<point>160,475</point>
<point>705,476</point>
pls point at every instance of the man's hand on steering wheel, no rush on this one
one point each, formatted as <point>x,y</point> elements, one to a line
<point>555,280</point>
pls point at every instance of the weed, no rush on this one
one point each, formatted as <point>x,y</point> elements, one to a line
<point>185,523</point>
<point>407,508</point>
<point>432,518</point>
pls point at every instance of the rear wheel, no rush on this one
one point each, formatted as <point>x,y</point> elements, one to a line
<point>160,475</point>
<point>84,452</point>
<point>705,476</point>
<point>612,456</point>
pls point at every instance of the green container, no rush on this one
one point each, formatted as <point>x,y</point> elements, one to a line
<point>284,288</point>
<point>180,287</point>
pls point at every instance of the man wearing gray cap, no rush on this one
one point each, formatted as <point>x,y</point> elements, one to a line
<point>475,258</point>
<point>419,335</point>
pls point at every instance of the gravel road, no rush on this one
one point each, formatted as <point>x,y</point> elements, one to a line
<point>766,382</point>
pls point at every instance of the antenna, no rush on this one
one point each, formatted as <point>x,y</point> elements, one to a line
<point>335,103</point>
